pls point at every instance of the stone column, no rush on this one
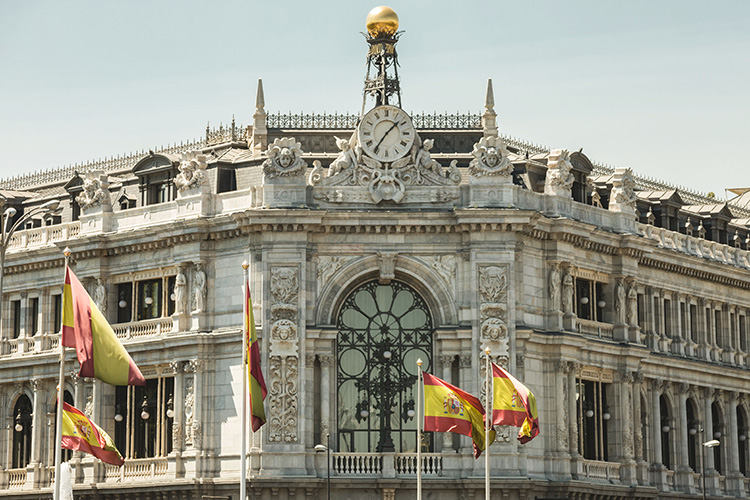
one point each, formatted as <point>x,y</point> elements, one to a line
<point>561,407</point>
<point>684,472</point>
<point>656,422</point>
<point>572,372</point>
<point>179,409</point>
<point>638,438</point>
<point>325,395</point>
<point>625,416</point>
<point>708,433</point>
<point>37,433</point>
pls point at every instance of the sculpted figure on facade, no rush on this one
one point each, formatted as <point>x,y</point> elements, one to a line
<point>633,305</point>
<point>95,191</point>
<point>180,292</point>
<point>423,160</point>
<point>553,287</point>
<point>559,180</point>
<point>490,158</point>
<point>347,159</point>
<point>284,158</point>
<point>100,296</point>
<point>568,292</point>
<point>620,306</point>
<point>199,288</point>
<point>192,170</point>
<point>622,197</point>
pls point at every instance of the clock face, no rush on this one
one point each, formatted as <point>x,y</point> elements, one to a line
<point>386,133</point>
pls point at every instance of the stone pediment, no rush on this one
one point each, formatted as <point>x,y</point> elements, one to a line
<point>155,162</point>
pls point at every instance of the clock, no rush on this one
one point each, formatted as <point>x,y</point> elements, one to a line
<point>386,133</point>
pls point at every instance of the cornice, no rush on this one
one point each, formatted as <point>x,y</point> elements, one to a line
<point>692,272</point>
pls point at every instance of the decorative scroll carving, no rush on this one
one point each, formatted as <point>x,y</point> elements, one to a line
<point>95,190</point>
<point>176,436</point>
<point>192,171</point>
<point>559,178</point>
<point>387,266</point>
<point>490,158</point>
<point>197,431</point>
<point>493,309</point>
<point>284,358</point>
<point>284,158</point>
<point>189,407</point>
<point>100,296</point>
<point>283,399</point>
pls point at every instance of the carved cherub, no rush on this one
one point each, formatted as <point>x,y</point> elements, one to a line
<point>346,158</point>
<point>423,158</point>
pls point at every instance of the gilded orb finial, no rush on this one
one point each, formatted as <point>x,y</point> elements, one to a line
<point>382,22</point>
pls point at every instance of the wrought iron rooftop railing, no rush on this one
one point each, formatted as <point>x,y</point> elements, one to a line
<point>312,121</point>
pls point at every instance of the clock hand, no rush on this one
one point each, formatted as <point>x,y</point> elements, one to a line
<point>384,136</point>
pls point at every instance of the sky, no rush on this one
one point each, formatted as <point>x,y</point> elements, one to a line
<point>662,87</point>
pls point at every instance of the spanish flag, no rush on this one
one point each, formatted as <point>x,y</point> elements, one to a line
<point>80,433</point>
<point>257,385</point>
<point>449,409</point>
<point>513,404</point>
<point>99,351</point>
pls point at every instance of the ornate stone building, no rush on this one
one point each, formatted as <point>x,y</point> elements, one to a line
<point>621,301</point>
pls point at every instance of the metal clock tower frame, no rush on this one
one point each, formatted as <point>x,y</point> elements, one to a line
<point>381,79</point>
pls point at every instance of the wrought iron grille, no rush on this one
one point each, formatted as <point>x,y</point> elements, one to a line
<point>383,330</point>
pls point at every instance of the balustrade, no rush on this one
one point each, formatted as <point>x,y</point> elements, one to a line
<point>145,328</point>
<point>16,478</point>
<point>406,463</point>
<point>602,330</point>
<point>40,236</point>
<point>357,463</point>
<point>596,470</point>
<point>142,469</point>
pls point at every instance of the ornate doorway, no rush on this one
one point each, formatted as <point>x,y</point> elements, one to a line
<point>383,330</point>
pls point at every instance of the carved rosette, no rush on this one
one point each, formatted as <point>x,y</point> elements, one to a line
<point>284,355</point>
<point>284,159</point>
<point>490,159</point>
<point>493,310</point>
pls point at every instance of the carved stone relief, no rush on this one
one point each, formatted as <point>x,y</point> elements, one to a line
<point>284,355</point>
<point>284,159</point>
<point>192,173</point>
<point>622,196</point>
<point>445,267</point>
<point>493,309</point>
<point>559,180</point>
<point>491,159</point>
<point>95,191</point>
<point>328,265</point>
<point>387,266</point>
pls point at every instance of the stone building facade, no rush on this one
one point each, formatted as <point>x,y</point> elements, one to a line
<point>620,301</point>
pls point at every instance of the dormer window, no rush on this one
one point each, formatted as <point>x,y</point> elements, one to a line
<point>156,173</point>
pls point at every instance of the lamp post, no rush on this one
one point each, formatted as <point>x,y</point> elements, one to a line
<point>6,214</point>
<point>327,448</point>
<point>708,444</point>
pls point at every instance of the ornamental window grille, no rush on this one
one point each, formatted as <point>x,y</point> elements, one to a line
<point>383,330</point>
<point>143,418</point>
<point>593,413</point>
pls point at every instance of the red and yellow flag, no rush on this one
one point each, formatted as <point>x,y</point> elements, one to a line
<point>85,329</point>
<point>513,404</point>
<point>449,409</point>
<point>80,433</point>
<point>257,385</point>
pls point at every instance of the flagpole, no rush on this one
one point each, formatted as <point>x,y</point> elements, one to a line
<point>487,419</point>
<point>243,458</point>
<point>60,395</point>
<point>419,429</point>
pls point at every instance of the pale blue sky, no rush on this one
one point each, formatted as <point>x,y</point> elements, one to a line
<point>662,87</point>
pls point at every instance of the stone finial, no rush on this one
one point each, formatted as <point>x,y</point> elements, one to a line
<point>258,142</point>
<point>489,118</point>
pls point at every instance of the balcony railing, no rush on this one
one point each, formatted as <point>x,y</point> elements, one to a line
<point>373,463</point>
<point>145,328</point>
<point>41,236</point>
<point>16,478</point>
<point>596,470</point>
<point>602,330</point>
<point>357,463</point>
<point>143,469</point>
<point>406,463</point>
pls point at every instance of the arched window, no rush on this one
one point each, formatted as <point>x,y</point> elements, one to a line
<point>666,428</point>
<point>383,330</point>
<point>717,417</point>
<point>22,432</point>
<point>645,438</point>
<point>693,434</point>
<point>742,439</point>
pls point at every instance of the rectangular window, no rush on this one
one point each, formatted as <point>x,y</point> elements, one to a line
<point>743,334</point>
<point>34,315</point>
<point>15,308</point>
<point>641,315</point>
<point>149,299</point>
<point>694,323</point>
<point>719,329</point>
<point>227,180</point>
<point>153,298</point>
<point>668,318</point>
<point>593,416</point>
<point>143,418</point>
<point>57,313</point>
<point>124,302</point>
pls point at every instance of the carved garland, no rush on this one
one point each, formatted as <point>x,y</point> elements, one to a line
<point>284,355</point>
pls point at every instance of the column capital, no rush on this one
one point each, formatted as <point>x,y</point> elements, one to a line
<point>465,361</point>
<point>325,360</point>
<point>446,360</point>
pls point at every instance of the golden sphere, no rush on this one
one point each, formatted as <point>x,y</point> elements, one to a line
<point>382,21</point>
